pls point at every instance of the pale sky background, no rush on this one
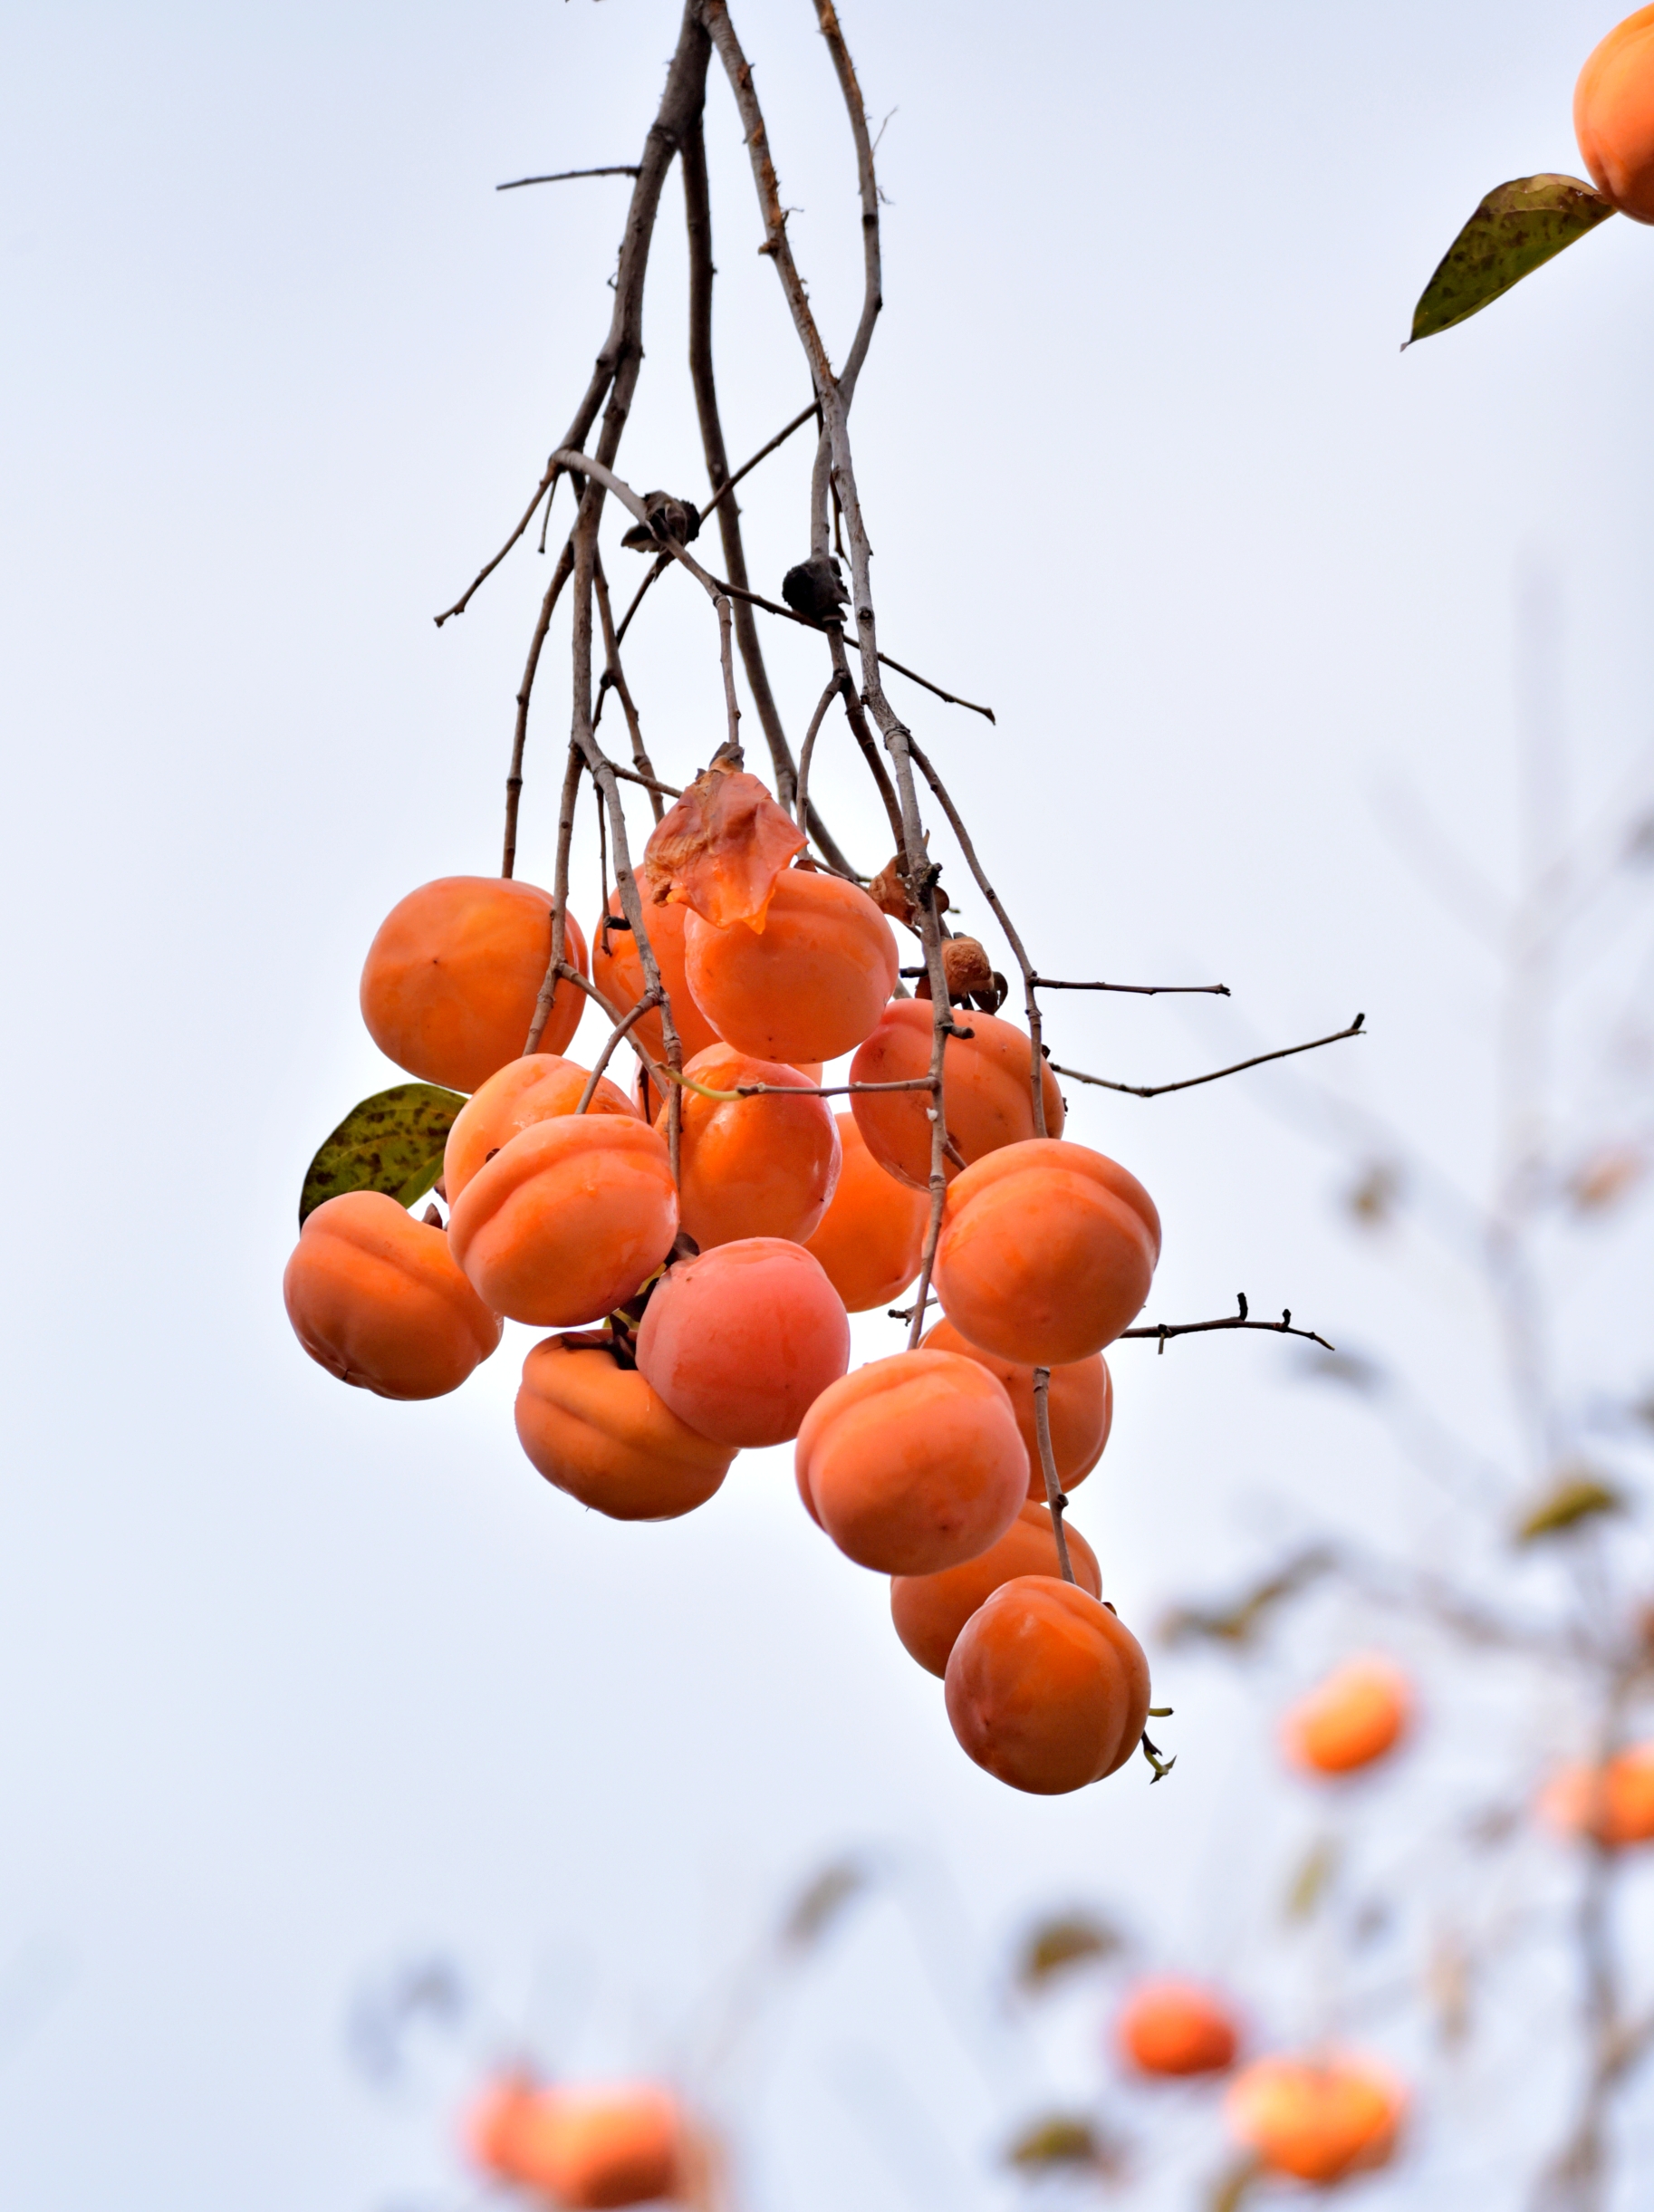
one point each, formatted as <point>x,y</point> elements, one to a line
<point>295,1684</point>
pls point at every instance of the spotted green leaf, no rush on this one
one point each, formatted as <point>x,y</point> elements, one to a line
<point>391,1142</point>
<point>1517,228</point>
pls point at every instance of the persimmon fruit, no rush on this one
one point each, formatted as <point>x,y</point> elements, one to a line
<point>809,983</point>
<point>1613,1804</point>
<point>598,1430</point>
<point>1046,1252</point>
<point>871,1238</point>
<point>1316,2119</point>
<point>987,1097</point>
<point>568,1219</point>
<point>589,2148</point>
<point>379,1299</point>
<point>451,980</point>
<point>1613,116</point>
<point>912,1464</point>
<point>742,1341</point>
<point>930,1610</point>
<point>1079,1404</point>
<point>757,1166</point>
<point>617,969</point>
<point>1172,2027</point>
<point>1360,1712</point>
<point>536,1089</point>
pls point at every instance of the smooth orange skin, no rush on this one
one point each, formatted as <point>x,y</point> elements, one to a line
<point>522,1092</point>
<point>1316,2120</point>
<point>1176,2028</point>
<point>617,969</point>
<point>1614,1805</point>
<point>913,1463</point>
<point>1046,1689</point>
<point>568,1220</point>
<point>930,1610</point>
<point>871,1238</point>
<point>1613,116</point>
<point>757,1166</point>
<point>742,1341</point>
<point>1358,1713</point>
<point>597,1431</point>
<point>1080,1405</point>
<point>1046,1252</point>
<point>988,1100</point>
<point>451,982</point>
<point>810,985</point>
<point>378,1298</point>
<point>584,2148</point>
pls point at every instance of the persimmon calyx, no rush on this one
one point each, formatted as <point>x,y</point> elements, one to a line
<point>721,848</point>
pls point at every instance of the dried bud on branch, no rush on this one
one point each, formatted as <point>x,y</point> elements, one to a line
<point>889,893</point>
<point>721,848</point>
<point>667,520</point>
<point>815,588</point>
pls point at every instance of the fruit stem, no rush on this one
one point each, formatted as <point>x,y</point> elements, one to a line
<point>1048,1462</point>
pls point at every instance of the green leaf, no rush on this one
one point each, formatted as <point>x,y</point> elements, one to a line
<point>1577,1497</point>
<point>1518,226</point>
<point>1069,1941</point>
<point>391,1142</point>
<point>1061,2139</point>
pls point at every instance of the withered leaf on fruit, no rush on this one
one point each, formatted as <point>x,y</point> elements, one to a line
<point>721,847</point>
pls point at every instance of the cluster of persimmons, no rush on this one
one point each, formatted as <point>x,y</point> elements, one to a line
<point>700,1313</point>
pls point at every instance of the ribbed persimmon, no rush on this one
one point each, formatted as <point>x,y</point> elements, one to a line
<point>617,969</point>
<point>930,1610</point>
<point>757,1166</point>
<point>588,2147</point>
<point>1613,116</point>
<point>1045,1688</point>
<point>1175,2027</point>
<point>1046,1252</point>
<point>1358,1713</point>
<point>1612,1803</point>
<point>451,979</point>
<point>524,1091</point>
<point>568,1219</point>
<point>912,1464</point>
<point>742,1341</point>
<point>1316,2119</point>
<point>379,1299</point>
<point>1079,1406</point>
<point>809,985</point>
<point>597,1429</point>
<point>987,1098</point>
<point>871,1238</point>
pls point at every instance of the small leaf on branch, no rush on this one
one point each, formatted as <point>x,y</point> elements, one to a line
<point>1518,226</point>
<point>391,1142</point>
<point>719,850</point>
<point>1577,1497</point>
<point>1062,2140</point>
<point>1071,1941</point>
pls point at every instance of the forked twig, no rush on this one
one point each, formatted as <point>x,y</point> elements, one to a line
<point>1192,1082</point>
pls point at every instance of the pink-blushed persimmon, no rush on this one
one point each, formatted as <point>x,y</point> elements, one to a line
<point>871,1238</point>
<point>1046,1689</point>
<point>379,1299</point>
<point>757,1166</point>
<point>1360,1712</point>
<point>1080,1407</point>
<point>1316,2119</point>
<point>988,1095</point>
<point>451,980</point>
<point>1613,116</point>
<point>1176,2028</point>
<point>930,1610</point>
<point>912,1464</point>
<point>810,984</point>
<point>742,1341</point>
<point>617,969</point>
<point>568,1220</point>
<point>524,1091</point>
<point>599,1431</point>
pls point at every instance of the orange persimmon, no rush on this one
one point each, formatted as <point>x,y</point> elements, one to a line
<point>912,1464</point>
<point>1316,2119</point>
<point>808,983</point>
<point>871,1238</point>
<point>451,979</point>
<point>617,969</point>
<point>536,1089</point>
<point>742,1341</point>
<point>599,1431</point>
<point>568,1219</point>
<point>1613,116</point>
<point>1046,1252</point>
<point>379,1299</point>
<point>588,2147</point>
<point>1079,1406</point>
<point>1359,1713</point>
<point>757,1166</point>
<point>1174,2028</point>
<point>988,1095</point>
<point>930,1610</point>
<point>1613,1804</point>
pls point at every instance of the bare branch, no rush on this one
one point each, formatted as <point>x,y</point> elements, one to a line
<point>1284,1327</point>
<point>614,168</point>
<point>1139,990</point>
<point>1192,1082</point>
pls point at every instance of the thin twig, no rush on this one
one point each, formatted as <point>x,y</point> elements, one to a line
<point>1190,1083</point>
<point>1055,1498</point>
<point>1163,1331</point>
<point>546,489</point>
<point>834,686</point>
<point>1140,990</point>
<point>645,1004</point>
<point>613,169</point>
